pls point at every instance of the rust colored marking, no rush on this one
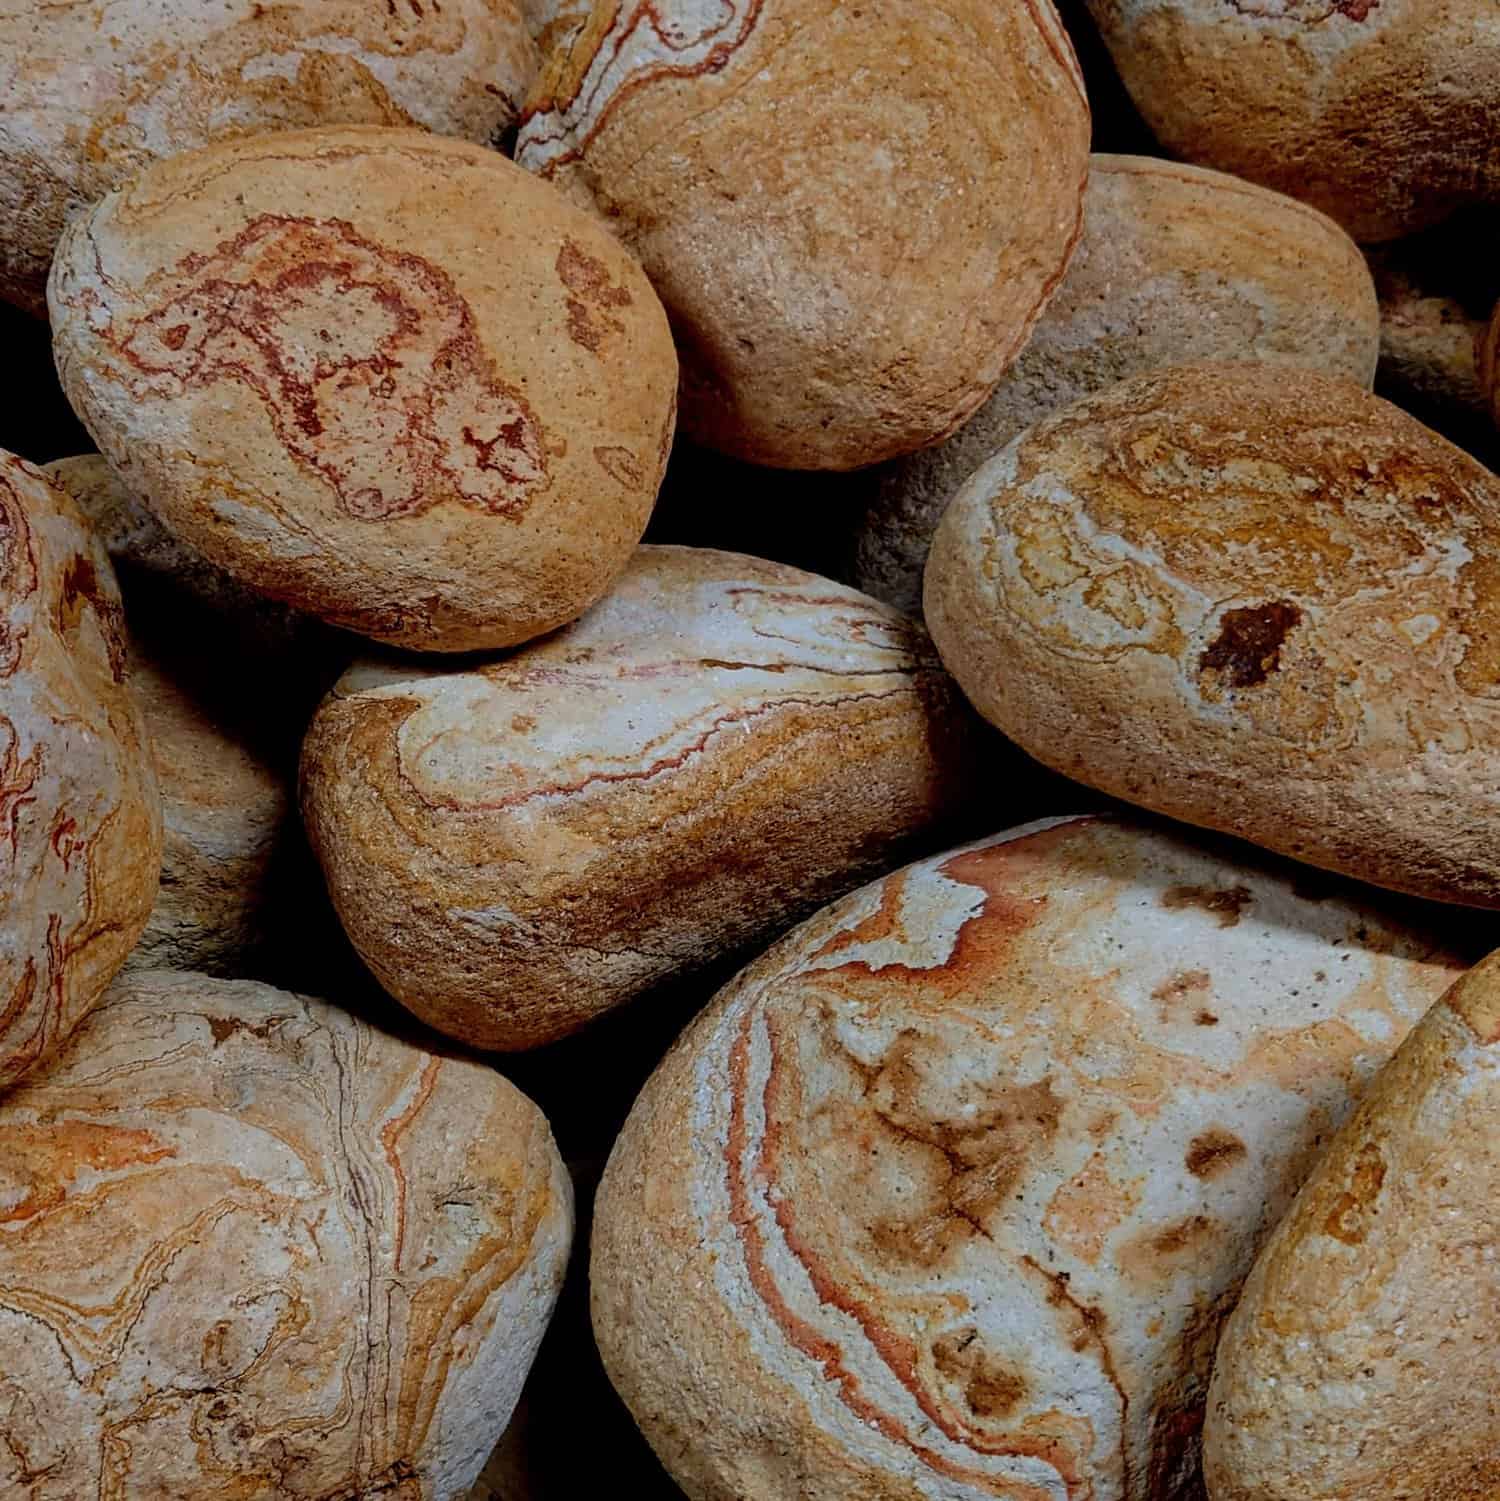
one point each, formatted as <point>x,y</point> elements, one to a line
<point>991,1388</point>
<point>621,465</point>
<point>1227,905</point>
<point>898,1355</point>
<point>1348,1219</point>
<point>52,1156</point>
<point>1089,1329</point>
<point>17,781</point>
<point>1247,649</point>
<point>390,1137</point>
<point>63,839</point>
<point>997,870</point>
<point>224,1027</point>
<point>80,588</point>
<point>18,576</point>
<point>1214,1152</point>
<point>353,348</point>
<point>591,318</point>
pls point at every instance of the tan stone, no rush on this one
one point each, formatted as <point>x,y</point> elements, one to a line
<point>1260,601</point>
<point>255,1247</point>
<point>1379,112</point>
<point>1363,1360</point>
<point>80,818</point>
<point>384,377</point>
<point>948,1193</point>
<point>854,214</point>
<point>1176,264</point>
<point>96,89</point>
<point>718,746</point>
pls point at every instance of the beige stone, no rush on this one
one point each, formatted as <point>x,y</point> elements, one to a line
<point>224,816</point>
<point>256,1248</point>
<point>80,818</point>
<point>1382,113</point>
<point>96,89</point>
<point>948,1193</point>
<point>1364,1358</point>
<point>1176,264</point>
<point>718,746</point>
<point>380,376</point>
<point>1261,601</point>
<point>854,214</point>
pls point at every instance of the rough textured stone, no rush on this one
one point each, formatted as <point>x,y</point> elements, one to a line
<point>1261,601</point>
<point>948,1193</point>
<point>853,213</point>
<point>255,1248</point>
<point>721,744</point>
<point>299,352</point>
<point>80,819</point>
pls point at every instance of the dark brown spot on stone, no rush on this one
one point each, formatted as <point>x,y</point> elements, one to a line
<point>590,319</point>
<point>1214,1152</point>
<point>1247,649</point>
<point>1226,905</point>
<point>1348,1220</point>
<point>990,1387</point>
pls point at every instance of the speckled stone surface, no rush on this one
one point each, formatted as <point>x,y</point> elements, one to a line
<point>1261,601</point>
<point>299,352</point>
<point>852,249</point>
<point>1380,112</point>
<point>720,745</point>
<point>254,1247</point>
<point>96,89</point>
<point>1363,1359</point>
<point>948,1194</point>
<point>1176,264</point>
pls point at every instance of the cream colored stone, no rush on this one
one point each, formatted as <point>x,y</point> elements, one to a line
<point>80,818</point>
<point>1363,1360</point>
<point>854,214</point>
<point>1257,600</point>
<point>96,89</point>
<point>1176,264</point>
<point>718,746</point>
<point>255,1248</point>
<point>383,377</point>
<point>947,1195</point>
<point>1381,113</point>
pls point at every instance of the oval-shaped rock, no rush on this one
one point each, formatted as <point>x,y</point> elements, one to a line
<point>383,377</point>
<point>80,818</point>
<point>948,1193</point>
<point>1363,1358</point>
<point>851,250</point>
<point>1380,112</point>
<point>224,818</point>
<point>1261,602</point>
<point>255,1247</point>
<point>94,91</point>
<point>719,745</point>
<point>1176,264</point>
